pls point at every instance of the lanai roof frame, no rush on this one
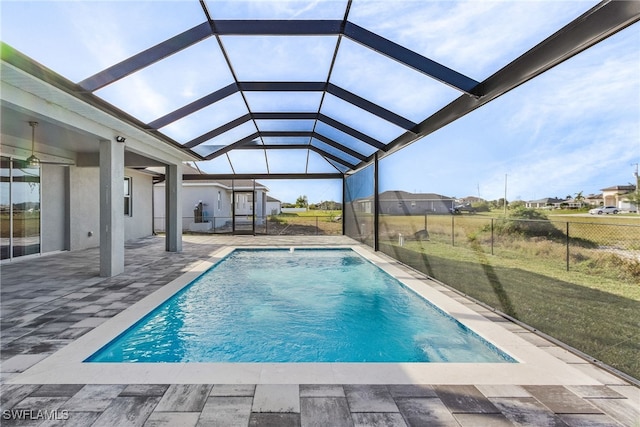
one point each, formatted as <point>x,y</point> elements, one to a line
<point>594,25</point>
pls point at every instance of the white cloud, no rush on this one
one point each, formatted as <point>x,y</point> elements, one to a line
<point>473,37</point>
<point>388,83</point>
<point>280,58</point>
<point>279,9</point>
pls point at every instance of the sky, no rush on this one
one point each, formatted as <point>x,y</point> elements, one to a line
<point>573,129</point>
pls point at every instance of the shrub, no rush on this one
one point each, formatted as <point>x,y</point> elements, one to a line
<point>527,222</point>
<point>625,267</point>
<point>276,219</point>
<point>517,204</point>
<point>481,206</point>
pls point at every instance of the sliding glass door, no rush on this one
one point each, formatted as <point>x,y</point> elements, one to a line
<point>20,209</point>
<point>5,208</point>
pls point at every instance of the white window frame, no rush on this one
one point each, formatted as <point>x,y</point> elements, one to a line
<point>128,196</point>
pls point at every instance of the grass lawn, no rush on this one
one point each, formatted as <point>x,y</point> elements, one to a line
<point>318,222</point>
<point>318,213</point>
<point>602,322</point>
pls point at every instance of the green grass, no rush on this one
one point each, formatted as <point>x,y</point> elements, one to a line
<point>319,213</point>
<point>602,322</point>
<point>594,307</point>
<point>311,222</point>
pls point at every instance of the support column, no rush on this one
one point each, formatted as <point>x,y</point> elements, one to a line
<point>173,214</point>
<point>344,206</point>
<point>111,208</point>
<point>376,206</point>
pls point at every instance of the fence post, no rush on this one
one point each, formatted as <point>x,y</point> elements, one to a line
<point>491,236</point>
<point>453,231</point>
<point>567,245</point>
<point>317,230</point>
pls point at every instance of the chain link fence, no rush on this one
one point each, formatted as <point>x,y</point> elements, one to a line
<point>575,280</point>
<point>587,246</point>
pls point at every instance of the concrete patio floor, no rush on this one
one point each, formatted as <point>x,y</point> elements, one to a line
<point>51,301</point>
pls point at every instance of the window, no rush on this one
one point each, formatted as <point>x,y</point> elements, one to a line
<point>128,211</point>
<point>219,200</point>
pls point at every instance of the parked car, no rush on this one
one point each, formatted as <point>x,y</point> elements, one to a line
<point>462,208</point>
<point>604,210</point>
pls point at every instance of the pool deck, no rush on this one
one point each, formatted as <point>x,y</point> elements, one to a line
<point>56,307</point>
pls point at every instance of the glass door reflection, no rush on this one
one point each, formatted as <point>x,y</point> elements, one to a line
<point>25,209</point>
<point>5,208</point>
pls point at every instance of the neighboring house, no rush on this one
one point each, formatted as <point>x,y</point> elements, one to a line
<point>405,203</point>
<point>616,196</point>
<point>274,206</point>
<point>548,202</point>
<point>209,205</point>
<point>573,204</point>
<point>594,200</point>
<point>471,200</point>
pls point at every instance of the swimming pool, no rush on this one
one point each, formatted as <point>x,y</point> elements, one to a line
<point>303,305</point>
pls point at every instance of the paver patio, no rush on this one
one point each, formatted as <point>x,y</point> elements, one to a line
<point>53,300</point>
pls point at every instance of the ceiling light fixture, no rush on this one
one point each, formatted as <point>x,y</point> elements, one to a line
<point>32,160</point>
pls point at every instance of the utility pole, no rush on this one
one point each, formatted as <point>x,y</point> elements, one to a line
<point>637,189</point>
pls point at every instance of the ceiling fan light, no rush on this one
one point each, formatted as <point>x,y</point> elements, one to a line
<point>33,161</point>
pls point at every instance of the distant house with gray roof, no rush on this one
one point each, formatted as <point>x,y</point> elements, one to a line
<point>397,202</point>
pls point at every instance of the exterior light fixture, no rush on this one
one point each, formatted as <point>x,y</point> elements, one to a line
<point>32,160</point>
<point>120,138</point>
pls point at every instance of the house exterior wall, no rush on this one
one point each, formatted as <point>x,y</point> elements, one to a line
<point>84,207</point>
<point>139,224</point>
<point>417,207</point>
<point>273,208</point>
<point>217,204</point>
<point>209,195</point>
<point>627,206</point>
<point>615,196</point>
<point>54,208</point>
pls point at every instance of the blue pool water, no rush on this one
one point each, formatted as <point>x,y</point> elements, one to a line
<point>320,305</point>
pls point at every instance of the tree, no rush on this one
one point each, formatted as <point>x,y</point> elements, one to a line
<point>579,199</point>
<point>516,204</point>
<point>302,202</point>
<point>634,197</point>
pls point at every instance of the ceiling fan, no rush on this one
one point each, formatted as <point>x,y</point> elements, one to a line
<point>33,161</point>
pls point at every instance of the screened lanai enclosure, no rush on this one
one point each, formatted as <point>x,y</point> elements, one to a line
<point>401,105</point>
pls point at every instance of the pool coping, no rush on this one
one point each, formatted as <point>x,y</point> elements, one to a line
<point>535,366</point>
